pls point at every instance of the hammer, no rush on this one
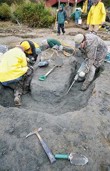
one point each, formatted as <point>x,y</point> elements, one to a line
<point>44,145</point>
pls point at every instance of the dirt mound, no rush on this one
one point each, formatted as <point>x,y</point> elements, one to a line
<point>51,91</point>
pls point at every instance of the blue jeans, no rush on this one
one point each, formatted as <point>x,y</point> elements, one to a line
<point>11,81</point>
<point>76,20</point>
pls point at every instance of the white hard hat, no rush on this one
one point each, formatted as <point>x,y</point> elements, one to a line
<point>79,38</point>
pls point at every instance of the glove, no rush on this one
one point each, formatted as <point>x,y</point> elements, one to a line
<point>28,60</point>
<point>56,47</point>
<point>82,74</point>
<point>60,47</point>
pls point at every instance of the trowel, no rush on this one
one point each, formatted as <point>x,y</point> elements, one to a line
<point>58,63</point>
<point>74,158</point>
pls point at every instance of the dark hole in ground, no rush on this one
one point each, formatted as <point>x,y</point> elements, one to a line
<point>6,97</point>
<point>75,100</point>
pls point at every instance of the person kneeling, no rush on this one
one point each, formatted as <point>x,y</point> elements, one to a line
<point>15,73</point>
<point>95,50</point>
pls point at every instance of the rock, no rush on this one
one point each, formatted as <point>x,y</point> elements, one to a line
<point>56,84</point>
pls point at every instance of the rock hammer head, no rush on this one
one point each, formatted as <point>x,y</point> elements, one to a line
<point>34,132</point>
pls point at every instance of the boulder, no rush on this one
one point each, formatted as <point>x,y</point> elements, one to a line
<point>57,83</point>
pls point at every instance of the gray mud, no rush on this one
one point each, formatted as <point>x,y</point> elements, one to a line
<point>79,123</point>
<point>75,100</point>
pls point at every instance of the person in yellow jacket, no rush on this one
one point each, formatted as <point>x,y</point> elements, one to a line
<point>14,72</point>
<point>31,49</point>
<point>84,8</point>
<point>96,16</point>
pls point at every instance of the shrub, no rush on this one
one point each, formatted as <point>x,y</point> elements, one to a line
<point>9,2</point>
<point>107,3</point>
<point>5,12</point>
<point>34,15</point>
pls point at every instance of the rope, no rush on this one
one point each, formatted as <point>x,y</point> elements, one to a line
<point>56,51</point>
<point>68,46</point>
<point>67,53</point>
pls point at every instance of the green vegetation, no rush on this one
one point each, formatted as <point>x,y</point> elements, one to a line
<point>5,12</point>
<point>34,15</point>
<point>30,13</point>
<point>107,3</point>
<point>9,2</point>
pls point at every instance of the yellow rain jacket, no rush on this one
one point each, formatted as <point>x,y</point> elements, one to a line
<point>26,46</point>
<point>97,14</point>
<point>13,65</point>
<point>84,9</point>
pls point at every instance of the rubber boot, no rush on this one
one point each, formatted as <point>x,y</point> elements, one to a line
<point>17,100</point>
<point>85,85</point>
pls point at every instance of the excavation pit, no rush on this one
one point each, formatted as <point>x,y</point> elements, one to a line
<point>49,95</point>
<point>82,131</point>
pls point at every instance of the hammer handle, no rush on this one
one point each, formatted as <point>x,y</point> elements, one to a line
<point>50,71</point>
<point>46,148</point>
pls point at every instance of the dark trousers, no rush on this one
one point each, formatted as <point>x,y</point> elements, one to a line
<point>61,27</point>
<point>22,86</point>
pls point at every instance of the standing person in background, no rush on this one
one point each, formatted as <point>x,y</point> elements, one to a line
<point>96,16</point>
<point>86,6</point>
<point>90,3</point>
<point>61,19</point>
<point>76,15</point>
